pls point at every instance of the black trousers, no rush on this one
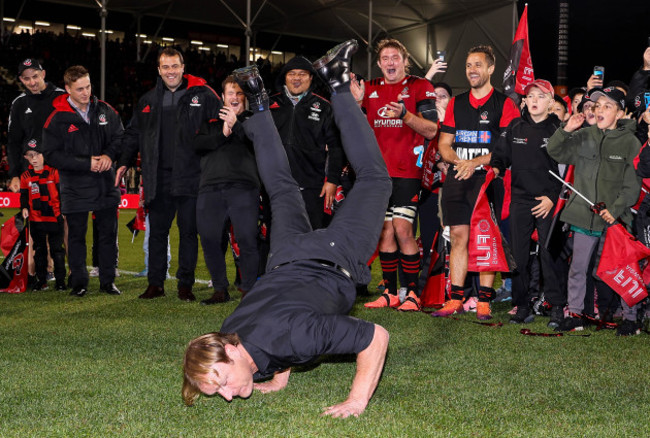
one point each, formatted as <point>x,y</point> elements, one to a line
<point>213,209</point>
<point>107,249</point>
<point>162,211</point>
<point>522,225</point>
<point>42,233</point>
<point>352,236</point>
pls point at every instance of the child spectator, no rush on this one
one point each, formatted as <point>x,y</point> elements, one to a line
<point>534,192</point>
<point>39,201</point>
<point>603,156</point>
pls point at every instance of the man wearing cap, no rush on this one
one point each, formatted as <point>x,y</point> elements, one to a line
<point>603,156</point>
<point>27,117</point>
<point>473,122</point>
<point>522,147</point>
<point>310,137</point>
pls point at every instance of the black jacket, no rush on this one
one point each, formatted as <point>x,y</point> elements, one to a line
<point>226,160</point>
<point>523,146</point>
<point>306,129</point>
<point>200,103</point>
<point>69,143</point>
<point>26,119</point>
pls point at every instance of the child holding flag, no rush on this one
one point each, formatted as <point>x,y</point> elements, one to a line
<point>603,156</point>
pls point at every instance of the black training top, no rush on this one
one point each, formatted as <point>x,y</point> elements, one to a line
<point>296,313</point>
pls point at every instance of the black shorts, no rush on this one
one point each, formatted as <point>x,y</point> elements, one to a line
<point>459,197</point>
<point>404,199</point>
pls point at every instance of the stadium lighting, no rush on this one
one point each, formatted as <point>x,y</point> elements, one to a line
<point>108,32</point>
<point>222,46</point>
<point>9,20</point>
<point>205,49</point>
<point>42,23</point>
<point>169,40</point>
<point>22,26</point>
<point>141,35</point>
<point>275,52</point>
<point>196,43</point>
<point>88,34</point>
<point>72,27</point>
<point>147,41</point>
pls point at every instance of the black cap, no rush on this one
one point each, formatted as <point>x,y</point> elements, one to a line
<point>27,64</point>
<point>33,145</point>
<point>611,93</point>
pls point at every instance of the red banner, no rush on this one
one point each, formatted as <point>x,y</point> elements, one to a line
<point>619,264</point>
<point>488,250</point>
<point>519,71</point>
<point>12,200</point>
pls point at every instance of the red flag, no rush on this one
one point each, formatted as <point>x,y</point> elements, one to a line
<point>8,235</point>
<point>13,270</point>
<point>619,264</point>
<point>433,294</point>
<point>519,71</point>
<point>488,250</point>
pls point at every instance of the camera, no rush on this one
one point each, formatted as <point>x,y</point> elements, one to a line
<point>646,98</point>
<point>442,55</point>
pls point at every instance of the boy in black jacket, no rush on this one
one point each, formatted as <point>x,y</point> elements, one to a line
<point>522,146</point>
<point>229,189</point>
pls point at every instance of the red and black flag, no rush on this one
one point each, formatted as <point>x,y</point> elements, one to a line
<point>433,294</point>
<point>13,270</point>
<point>488,249</point>
<point>519,71</point>
<point>619,264</point>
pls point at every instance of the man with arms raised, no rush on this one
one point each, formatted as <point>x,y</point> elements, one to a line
<point>297,311</point>
<point>473,122</point>
<point>401,110</point>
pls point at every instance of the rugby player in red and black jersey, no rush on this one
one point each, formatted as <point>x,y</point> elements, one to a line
<point>473,122</point>
<point>402,112</point>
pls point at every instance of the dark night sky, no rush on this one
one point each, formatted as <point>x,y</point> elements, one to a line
<point>613,34</point>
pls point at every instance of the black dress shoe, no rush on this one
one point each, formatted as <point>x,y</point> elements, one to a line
<point>60,285</point>
<point>219,296</point>
<point>110,289</point>
<point>152,292</point>
<point>251,83</point>
<point>78,291</point>
<point>185,293</point>
<point>334,67</point>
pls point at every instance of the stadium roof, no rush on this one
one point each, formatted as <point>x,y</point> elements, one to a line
<point>424,26</point>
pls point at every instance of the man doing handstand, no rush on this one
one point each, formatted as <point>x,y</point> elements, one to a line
<point>297,311</point>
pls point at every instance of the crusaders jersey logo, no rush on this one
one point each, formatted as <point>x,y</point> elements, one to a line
<point>195,101</point>
<point>102,119</point>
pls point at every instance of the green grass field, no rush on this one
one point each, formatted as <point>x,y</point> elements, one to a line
<point>111,366</point>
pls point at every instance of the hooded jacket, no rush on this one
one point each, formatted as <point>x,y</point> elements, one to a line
<point>28,115</point>
<point>604,171</point>
<point>198,104</point>
<point>522,145</point>
<point>69,143</point>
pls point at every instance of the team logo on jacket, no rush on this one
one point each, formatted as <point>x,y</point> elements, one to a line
<point>146,109</point>
<point>102,119</point>
<point>484,117</point>
<point>316,107</point>
<point>516,140</point>
<point>72,128</point>
<point>28,111</point>
<point>31,143</point>
<point>195,101</point>
<point>405,93</point>
<point>34,188</point>
<point>544,142</point>
<point>373,95</point>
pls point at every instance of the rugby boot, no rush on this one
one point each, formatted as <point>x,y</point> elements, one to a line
<point>385,300</point>
<point>483,311</point>
<point>334,67</point>
<point>451,307</point>
<point>251,83</point>
<point>411,303</point>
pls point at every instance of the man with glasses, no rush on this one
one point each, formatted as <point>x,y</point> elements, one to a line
<point>162,129</point>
